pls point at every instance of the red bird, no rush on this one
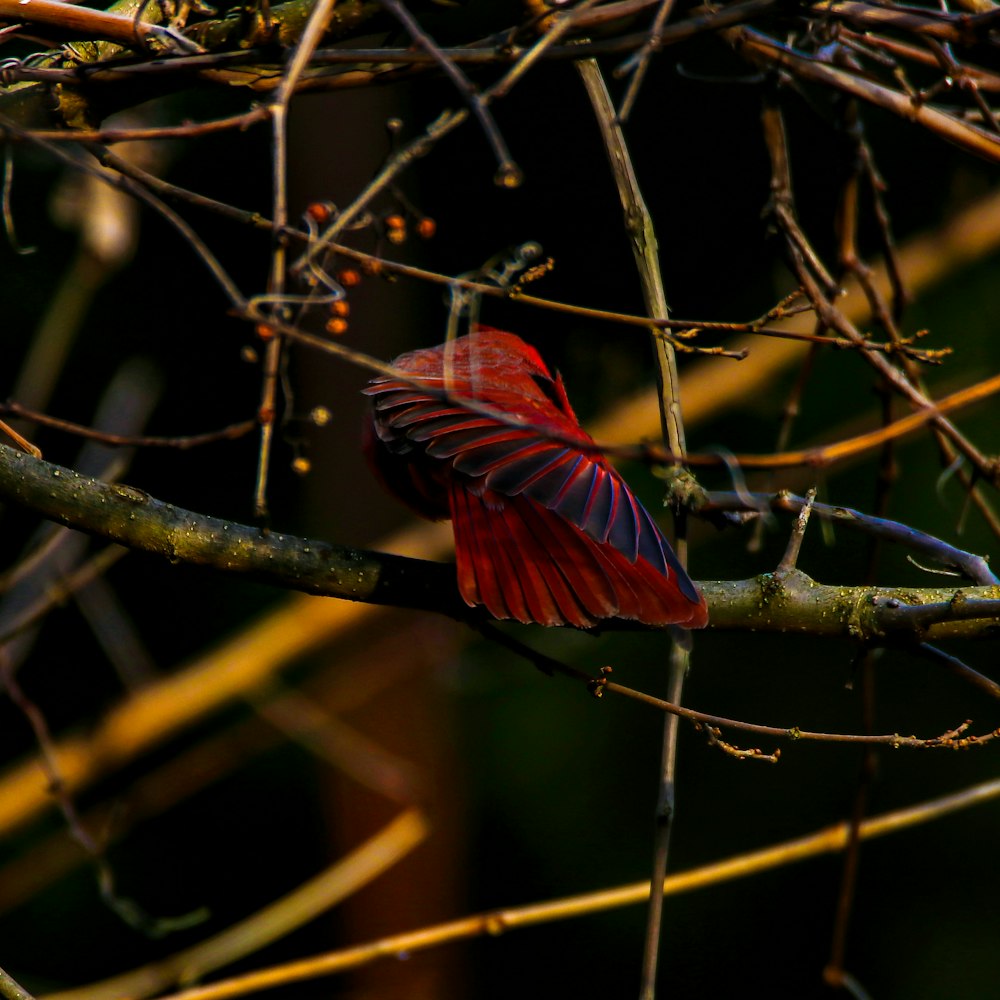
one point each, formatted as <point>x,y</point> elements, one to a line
<point>546,530</point>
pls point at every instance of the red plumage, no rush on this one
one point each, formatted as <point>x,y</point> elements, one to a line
<point>546,530</point>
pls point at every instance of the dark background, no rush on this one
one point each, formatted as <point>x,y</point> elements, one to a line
<point>538,790</point>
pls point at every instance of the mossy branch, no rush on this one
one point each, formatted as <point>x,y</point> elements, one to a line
<point>788,602</point>
<point>142,523</point>
<point>793,602</point>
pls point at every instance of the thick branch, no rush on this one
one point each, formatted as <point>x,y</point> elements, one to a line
<point>790,602</point>
<point>82,21</point>
<point>136,520</point>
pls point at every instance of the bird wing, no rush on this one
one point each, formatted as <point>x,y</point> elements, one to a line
<point>521,561</point>
<point>601,555</point>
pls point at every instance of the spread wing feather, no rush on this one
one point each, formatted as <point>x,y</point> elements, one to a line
<point>560,575</point>
<point>519,459</point>
<point>601,556</point>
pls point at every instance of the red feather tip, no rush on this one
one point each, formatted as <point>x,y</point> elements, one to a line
<point>546,530</point>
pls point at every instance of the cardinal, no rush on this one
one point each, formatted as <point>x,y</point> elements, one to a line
<point>546,530</point>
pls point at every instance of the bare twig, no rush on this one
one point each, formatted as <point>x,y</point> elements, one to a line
<point>125,183</point>
<point>791,556</point>
<point>512,918</point>
<point>974,567</point>
<point>637,66</point>
<point>822,291</point>
<point>739,753</point>
<point>180,442</point>
<point>57,594</point>
<point>316,896</point>
<point>421,146</point>
<point>960,669</point>
<point>19,440</point>
<point>278,109</point>
<point>600,685</point>
<point>639,226</point>
<point>767,52</point>
<point>127,909</point>
<point>834,972</point>
<point>508,173</point>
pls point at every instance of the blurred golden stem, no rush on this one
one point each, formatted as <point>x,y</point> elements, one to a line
<point>314,897</point>
<point>827,841</point>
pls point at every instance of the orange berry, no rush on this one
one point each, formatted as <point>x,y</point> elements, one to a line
<point>372,266</point>
<point>426,228</point>
<point>336,326</point>
<point>319,211</point>
<point>340,307</point>
<point>265,332</point>
<point>395,222</point>
<point>349,277</point>
<point>301,465</point>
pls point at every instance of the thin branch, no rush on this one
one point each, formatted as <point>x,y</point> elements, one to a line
<point>316,244</point>
<point>828,454</point>
<point>319,894</point>
<point>638,65</point>
<point>834,973</point>
<point>671,33</point>
<point>57,593</point>
<point>958,28</point>
<point>821,290</point>
<point>189,130</point>
<point>19,440</point>
<point>639,226</point>
<point>508,173</point>
<point>601,685</point>
<point>557,26</point>
<point>960,669</point>
<point>278,109</point>
<point>865,167</point>
<point>418,147</point>
<point>829,840</point>
<point>127,909</point>
<point>973,566</point>
<point>126,184</point>
<point>984,79</point>
<point>769,53</point>
<point>288,17</point>
<point>180,442</point>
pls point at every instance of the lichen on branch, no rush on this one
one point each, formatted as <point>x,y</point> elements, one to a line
<point>787,602</point>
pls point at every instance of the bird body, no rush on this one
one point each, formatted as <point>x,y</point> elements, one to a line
<point>546,530</point>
